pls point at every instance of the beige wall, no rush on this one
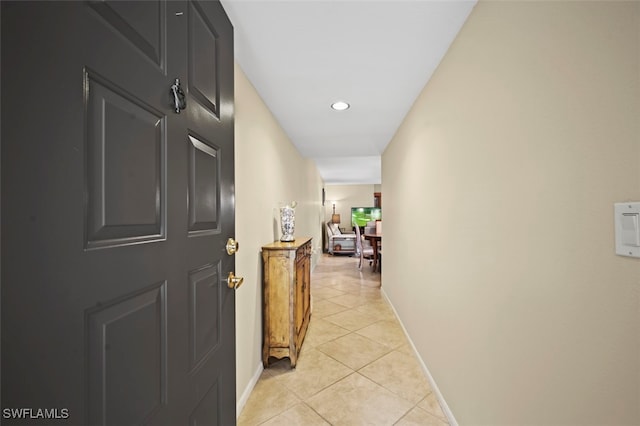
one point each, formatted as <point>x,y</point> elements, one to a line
<point>269,171</point>
<point>514,154</point>
<point>345,197</point>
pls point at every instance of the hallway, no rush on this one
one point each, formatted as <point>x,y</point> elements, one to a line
<point>356,366</point>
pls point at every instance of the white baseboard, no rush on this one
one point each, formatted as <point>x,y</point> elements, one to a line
<point>443,404</point>
<point>247,391</point>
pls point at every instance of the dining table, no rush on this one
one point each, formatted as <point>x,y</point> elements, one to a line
<point>375,240</point>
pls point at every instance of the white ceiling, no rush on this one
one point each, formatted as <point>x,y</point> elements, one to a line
<point>303,55</point>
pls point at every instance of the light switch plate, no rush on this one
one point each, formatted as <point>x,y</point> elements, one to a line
<point>627,223</point>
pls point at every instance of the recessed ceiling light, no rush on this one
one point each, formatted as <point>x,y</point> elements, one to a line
<point>340,106</point>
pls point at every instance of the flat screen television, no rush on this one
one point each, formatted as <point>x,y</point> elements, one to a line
<point>361,215</point>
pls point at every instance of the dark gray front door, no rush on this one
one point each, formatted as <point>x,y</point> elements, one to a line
<point>115,214</point>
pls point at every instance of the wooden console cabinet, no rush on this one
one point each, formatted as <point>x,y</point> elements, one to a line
<point>286,298</point>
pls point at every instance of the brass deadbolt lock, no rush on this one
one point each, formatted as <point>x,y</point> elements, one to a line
<point>232,246</point>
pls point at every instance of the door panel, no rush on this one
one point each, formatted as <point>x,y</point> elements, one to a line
<point>203,60</point>
<point>207,409</point>
<point>126,171</point>
<point>116,211</point>
<point>204,312</point>
<point>140,22</point>
<point>204,191</point>
<point>127,357</point>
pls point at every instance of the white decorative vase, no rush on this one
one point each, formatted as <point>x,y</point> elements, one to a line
<point>288,222</point>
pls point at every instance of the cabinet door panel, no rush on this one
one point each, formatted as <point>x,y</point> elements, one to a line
<point>299,298</point>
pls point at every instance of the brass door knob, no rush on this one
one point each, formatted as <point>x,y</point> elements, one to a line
<point>232,246</point>
<point>233,281</point>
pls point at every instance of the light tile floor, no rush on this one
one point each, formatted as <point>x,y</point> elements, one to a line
<point>355,367</point>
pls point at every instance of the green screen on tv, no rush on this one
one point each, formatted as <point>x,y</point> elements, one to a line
<point>361,215</point>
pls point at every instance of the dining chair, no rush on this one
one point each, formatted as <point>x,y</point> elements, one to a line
<point>364,252</point>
